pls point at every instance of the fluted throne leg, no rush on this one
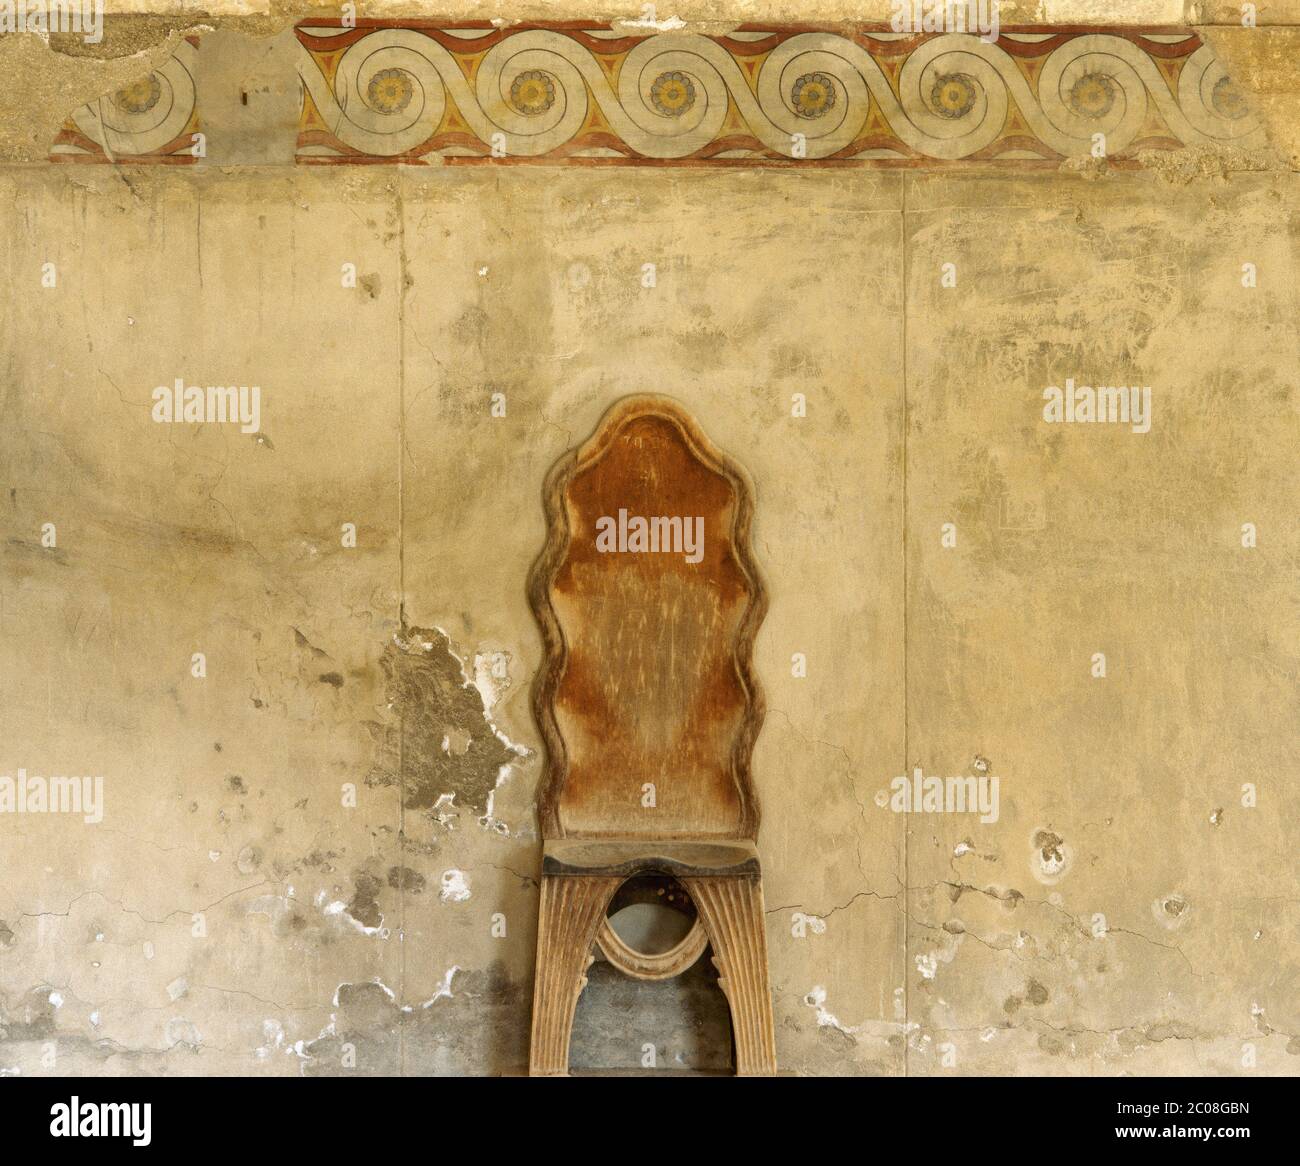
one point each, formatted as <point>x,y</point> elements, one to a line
<point>732,911</point>
<point>571,910</point>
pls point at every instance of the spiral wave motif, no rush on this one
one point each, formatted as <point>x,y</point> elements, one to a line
<point>364,123</point>
<point>811,97</point>
<point>147,115</point>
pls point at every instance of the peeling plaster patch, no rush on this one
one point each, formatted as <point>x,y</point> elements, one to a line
<point>180,1031</point>
<point>374,981</point>
<point>446,738</point>
<point>1171,910</point>
<point>299,1048</point>
<point>31,1019</point>
<point>1257,1014</point>
<point>455,886</point>
<point>367,1015</point>
<point>441,807</point>
<point>338,910</point>
<point>56,998</point>
<point>403,878</point>
<point>455,742</point>
<point>364,907</point>
<point>303,642</point>
<point>489,820</point>
<point>816,999</point>
<point>650,24</point>
<point>444,990</point>
<point>491,676</point>
<point>1050,858</point>
<point>177,988</point>
<point>927,963</point>
<point>1172,1030</point>
<point>366,1000</point>
<point>492,679</point>
<point>272,1037</point>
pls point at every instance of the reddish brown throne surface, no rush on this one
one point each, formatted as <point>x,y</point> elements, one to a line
<point>648,678</point>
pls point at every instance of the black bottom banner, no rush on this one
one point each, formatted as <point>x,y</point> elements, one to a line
<point>214,1114</point>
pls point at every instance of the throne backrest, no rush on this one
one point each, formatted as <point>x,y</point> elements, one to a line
<point>649,600</point>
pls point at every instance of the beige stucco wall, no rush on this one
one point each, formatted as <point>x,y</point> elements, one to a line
<point>232,915</point>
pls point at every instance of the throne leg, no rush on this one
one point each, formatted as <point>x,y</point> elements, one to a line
<point>732,911</point>
<point>572,907</point>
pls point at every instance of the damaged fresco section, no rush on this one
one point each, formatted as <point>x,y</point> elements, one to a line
<point>445,745</point>
<point>370,1032</point>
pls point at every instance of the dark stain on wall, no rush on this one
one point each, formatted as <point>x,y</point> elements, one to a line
<point>364,907</point>
<point>403,878</point>
<point>31,1018</point>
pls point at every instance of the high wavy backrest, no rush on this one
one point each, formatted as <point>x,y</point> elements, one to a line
<point>649,600</point>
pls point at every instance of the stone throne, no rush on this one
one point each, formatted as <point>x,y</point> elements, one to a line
<point>649,707</point>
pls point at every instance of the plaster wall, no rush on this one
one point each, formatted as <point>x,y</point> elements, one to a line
<point>238,911</point>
